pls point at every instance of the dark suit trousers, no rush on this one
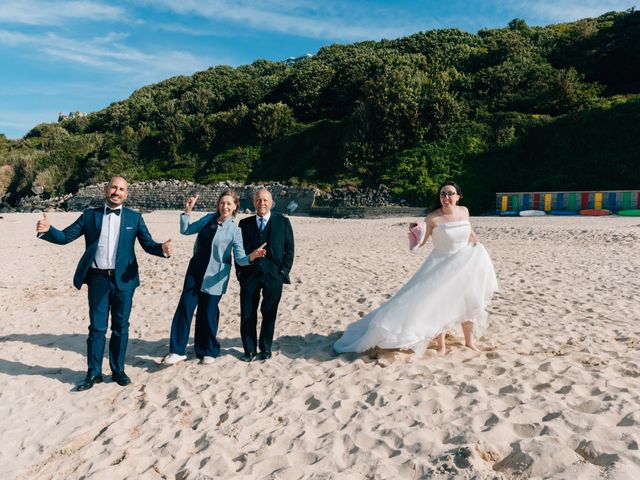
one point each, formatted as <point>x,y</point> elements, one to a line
<point>250,288</point>
<point>207,316</point>
<point>104,296</point>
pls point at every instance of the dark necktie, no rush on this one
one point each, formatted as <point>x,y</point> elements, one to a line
<point>261,223</point>
<point>113,210</point>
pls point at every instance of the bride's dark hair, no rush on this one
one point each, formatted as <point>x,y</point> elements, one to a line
<point>436,202</point>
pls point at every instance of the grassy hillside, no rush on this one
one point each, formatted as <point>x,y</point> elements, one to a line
<point>517,108</point>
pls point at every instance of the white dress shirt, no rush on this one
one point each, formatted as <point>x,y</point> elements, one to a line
<point>105,258</point>
<point>266,220</point>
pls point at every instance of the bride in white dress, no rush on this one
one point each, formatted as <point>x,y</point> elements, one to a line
<point>453,286</point>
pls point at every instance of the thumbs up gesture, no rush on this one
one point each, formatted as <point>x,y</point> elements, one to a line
<point>43,225</point>
<point>167,248</point>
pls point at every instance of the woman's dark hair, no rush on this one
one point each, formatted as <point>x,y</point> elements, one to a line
<point>232,194</point>
<point>436,202</point>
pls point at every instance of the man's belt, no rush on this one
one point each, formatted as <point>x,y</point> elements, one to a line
<point>110,272</point>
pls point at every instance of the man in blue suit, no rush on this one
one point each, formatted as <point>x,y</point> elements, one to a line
<point>110,270</point>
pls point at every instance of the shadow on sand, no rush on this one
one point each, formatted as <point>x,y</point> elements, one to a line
<point>147,355</point>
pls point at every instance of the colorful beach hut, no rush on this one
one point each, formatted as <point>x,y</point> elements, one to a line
<point>614,200</point>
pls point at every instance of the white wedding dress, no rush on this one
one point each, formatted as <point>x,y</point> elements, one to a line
<point>454,284</point>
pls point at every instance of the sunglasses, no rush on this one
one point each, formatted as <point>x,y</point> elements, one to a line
<point>447,194</point>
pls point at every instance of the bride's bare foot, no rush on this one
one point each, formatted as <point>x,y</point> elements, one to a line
<point>467,328</point>
<point>471,346</point>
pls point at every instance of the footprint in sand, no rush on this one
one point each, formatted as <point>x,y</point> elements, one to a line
<point>591,406</point>
<point>564,390</point>
<point>526,430</point>
<point>491,422</point>
<point>629,420</point>
<point>550,416</point>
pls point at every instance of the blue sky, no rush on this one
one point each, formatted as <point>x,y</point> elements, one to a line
<point>73,55</point>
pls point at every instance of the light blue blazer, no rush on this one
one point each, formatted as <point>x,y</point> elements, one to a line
<point>228,237</point>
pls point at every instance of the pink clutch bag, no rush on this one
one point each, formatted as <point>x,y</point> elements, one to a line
<point>416,235</point>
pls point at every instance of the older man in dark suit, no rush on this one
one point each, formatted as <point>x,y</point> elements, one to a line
<point>110,270</point>
<point>264,275</point>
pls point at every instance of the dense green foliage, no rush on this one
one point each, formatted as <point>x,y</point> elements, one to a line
<point>518,108</point>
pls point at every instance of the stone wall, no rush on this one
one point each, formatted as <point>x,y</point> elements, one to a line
<point>171,195</point>
<point>358,197</point>
<point>367,212</point>
<point>36,203</point>
<point>343,202</point>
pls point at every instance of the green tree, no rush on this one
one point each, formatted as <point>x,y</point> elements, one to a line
<point>417,173</point>
<point>271,121</point>
<point>304,87</point>
<point>389,118</point>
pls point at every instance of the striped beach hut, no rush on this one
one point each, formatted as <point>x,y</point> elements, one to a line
<point>613,200</point>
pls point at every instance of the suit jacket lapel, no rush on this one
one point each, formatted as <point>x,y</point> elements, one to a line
<point>273,228</point>
<point>255,233</point>
<point>124,218</point>
<point>98,214</point>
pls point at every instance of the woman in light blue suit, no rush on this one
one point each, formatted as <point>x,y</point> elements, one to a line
<point>207,277</point>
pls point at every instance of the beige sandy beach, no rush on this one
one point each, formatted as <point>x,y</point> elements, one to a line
<point>554,393</point>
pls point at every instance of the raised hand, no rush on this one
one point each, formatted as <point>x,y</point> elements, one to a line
<point>167,248</point>
<point>258,252</point>
<point>190,203</point>
<point>43,225</point>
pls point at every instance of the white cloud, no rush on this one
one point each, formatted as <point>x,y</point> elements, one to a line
<point>33,87</point>
<point>542,12</point>
<point>108,53</point>
<point>40,12</point>
<point>178,28</point>
<point>314,20</point>
<point>12,38</point>
<point>354,21</point>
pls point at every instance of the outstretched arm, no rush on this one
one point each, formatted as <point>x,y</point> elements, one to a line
<point>51,234</point>
<point>187,228</point>
<point>149,245</point>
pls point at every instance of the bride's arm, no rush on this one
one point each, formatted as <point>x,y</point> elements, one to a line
<point>430,225</point>
<point>472,238</point>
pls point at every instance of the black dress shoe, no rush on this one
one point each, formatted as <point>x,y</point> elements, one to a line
<point>89,382</point>
<point>121,378</point>
<point>264,356</point>
<point>248,357</point>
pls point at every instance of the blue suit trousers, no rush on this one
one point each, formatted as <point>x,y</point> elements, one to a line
<point>105,296</point>
<point>207,316</point>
